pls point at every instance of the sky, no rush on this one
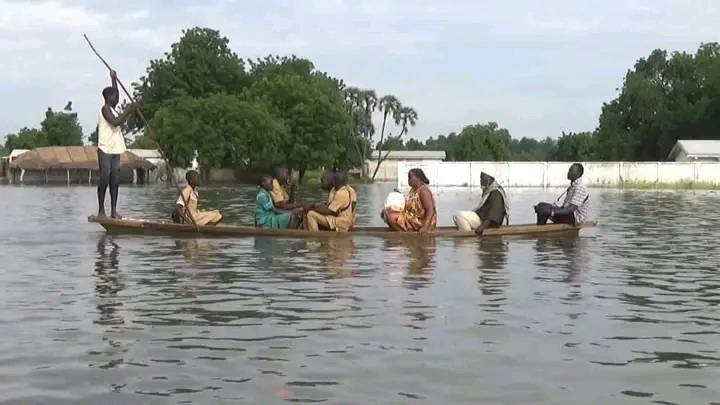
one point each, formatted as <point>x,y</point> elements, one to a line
<point>535,68</point>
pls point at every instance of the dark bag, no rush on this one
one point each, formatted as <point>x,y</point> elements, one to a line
<point>178,214</point>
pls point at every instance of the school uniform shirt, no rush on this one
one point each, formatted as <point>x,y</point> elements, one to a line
<point>578,195</point>
<point>341,201</point>
<point>278,192</point>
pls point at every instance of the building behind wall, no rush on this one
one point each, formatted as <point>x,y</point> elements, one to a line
<point>695,151</point>
<point>73,165</point>
<point>388,168</point>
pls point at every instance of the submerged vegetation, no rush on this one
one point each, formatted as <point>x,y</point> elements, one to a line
<point>680,185</point>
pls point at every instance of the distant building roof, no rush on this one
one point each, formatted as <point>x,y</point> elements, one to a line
<point>72,157</point>
<point>17,152</point>
<point>412,155</point>
<point>146,153</point>
<point>696,149</point>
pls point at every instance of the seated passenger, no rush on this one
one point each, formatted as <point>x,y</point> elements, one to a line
<point>339,212</point>
<point>282,199</point>
<point>419,214</point>
<point>490,212</point>
<point>183,214</point>
<point>575,208</point>
<point>266,214</point>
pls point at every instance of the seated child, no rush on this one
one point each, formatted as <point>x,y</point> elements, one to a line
<point>190,194</point>
<point>266,214</point>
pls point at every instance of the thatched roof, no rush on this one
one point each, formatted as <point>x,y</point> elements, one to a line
<point>72,157</point>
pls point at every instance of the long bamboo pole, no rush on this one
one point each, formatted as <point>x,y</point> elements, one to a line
<point>149,129</point>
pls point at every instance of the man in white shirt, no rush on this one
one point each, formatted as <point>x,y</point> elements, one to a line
<point>111,145</point>
<point>575,208</point>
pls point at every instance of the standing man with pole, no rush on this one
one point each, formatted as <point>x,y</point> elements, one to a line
<point>111,145</point>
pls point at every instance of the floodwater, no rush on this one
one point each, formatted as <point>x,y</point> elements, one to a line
<point>626,313</point>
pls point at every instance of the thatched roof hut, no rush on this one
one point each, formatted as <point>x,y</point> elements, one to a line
<point>72,158</point>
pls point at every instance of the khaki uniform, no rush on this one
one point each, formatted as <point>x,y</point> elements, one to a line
<point>342,201</point>
<point>278,192</point>
<point>201,217</point>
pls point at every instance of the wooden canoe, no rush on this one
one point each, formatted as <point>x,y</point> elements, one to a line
<point>169,228</point>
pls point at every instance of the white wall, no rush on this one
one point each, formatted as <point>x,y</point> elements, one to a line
<point>388,169</point>
<point>554,174</point>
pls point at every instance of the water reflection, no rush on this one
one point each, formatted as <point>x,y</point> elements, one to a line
<point>196,250</point>
<point>338,252</point>
<point>493,281</point>
<point>559,258</point>
<point>419,253</point>
<point>627,311</point>
<point>108,282</point>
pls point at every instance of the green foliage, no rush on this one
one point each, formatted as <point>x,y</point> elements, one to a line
<point>200,98</point>
<point>360,105</point>
<point>482,142</point>
<point>447,143</point>
<point>59,128</point>
<point>662,99</point>
<point>143,142</point>
<point>313,111</point>
<point>393,143</point>
<point>199,65</point>
<point>532,150</point>
<point>574,147</point>
<point>680,185</point>
<point>26,138</point>
<point>224,130</point>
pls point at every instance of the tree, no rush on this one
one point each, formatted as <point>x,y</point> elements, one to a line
<point>392,143</point>
<point>446,143</point>
<point>199,65</point>
<point>529,149</point>
<point>313,110</point>
<point>143,141</point>
<point>26,138</point>
<point>224,130</point>
<point>573,147</point>
<point>61,128</point>
<point>390,107</point>
<point>414,144</point>
<point>482,142</point>
<point>361,105</point>
<point>662,99</point>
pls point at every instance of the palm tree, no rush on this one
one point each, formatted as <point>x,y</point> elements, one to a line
<point>407,116</point>
<point>390,107</point>
<point>361,105</point>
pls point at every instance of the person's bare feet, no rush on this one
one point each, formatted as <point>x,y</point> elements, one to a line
<point>115,215</point>
<point>101,214</point>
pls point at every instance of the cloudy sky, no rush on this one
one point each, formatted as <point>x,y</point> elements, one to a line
<point>536,68</point>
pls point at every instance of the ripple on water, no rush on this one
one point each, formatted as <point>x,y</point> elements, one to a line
<point>627,312</point>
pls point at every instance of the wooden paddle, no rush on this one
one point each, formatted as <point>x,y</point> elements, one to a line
<point>149,129</point>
